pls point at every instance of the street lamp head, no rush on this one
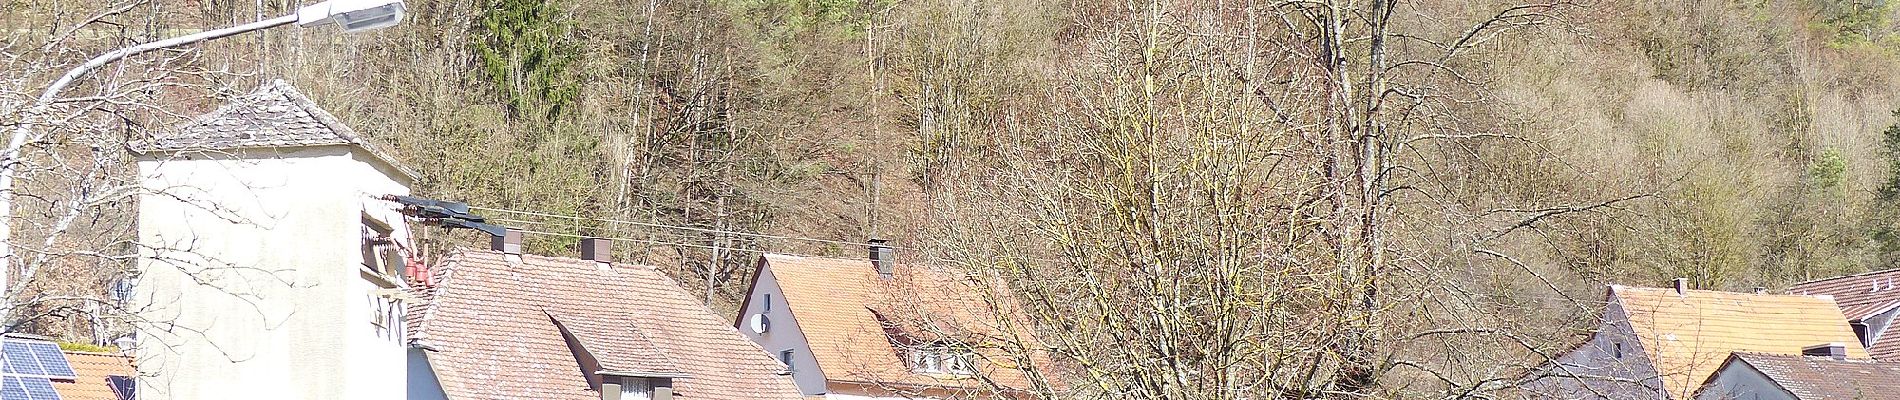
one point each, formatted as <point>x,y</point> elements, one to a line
<point>353,15</point>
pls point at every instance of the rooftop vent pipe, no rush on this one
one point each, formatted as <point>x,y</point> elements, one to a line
<point>882,257</point>
<point>598,250</point>
<point>508,243</point>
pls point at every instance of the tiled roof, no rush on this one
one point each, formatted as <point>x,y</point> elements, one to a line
<point>843,309</point>
<point>1862,296</point>
<point>274,115</point>
<point>1688,336</point>
<point>496,330</point>
<point>99,377</point>
<point>1816,378</point>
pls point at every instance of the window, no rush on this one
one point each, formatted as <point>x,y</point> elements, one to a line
<point>379,250</point>
<point>768,302</point>
<point>382,267</point>
<point>785,357</point>
<point>636,389</point>
<point>943,358</point>
<point>1619,349</point>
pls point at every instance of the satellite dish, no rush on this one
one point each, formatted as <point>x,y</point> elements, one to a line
<point>759,323</point>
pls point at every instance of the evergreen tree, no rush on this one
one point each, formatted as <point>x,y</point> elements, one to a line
<point>525,49</point>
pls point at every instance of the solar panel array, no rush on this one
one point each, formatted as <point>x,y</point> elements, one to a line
<point>27,368</point>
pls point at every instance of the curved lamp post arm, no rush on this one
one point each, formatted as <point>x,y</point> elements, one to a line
<point>52,91</point>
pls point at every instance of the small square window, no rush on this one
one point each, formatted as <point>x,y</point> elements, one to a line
<point>785,357</point>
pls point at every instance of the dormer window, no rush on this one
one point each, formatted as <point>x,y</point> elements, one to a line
<point>943,358</point>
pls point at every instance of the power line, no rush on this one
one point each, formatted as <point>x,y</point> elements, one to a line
<point>688,228</point>
<point>653,242</point>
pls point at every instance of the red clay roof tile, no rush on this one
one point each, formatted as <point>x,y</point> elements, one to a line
<point>495,327</point>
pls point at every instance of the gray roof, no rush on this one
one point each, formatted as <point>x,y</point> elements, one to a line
<point>1807,377</point>
<point>275,115</point>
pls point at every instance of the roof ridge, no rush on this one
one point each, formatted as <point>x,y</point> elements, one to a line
<point>1711,291</point>
<point>1791,286</point>
<point>1812,358</point>
<point>95,353</point>
<point>302,101</point>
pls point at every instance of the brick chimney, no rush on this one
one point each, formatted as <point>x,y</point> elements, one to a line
<point>598,250</point>
<point>508,244</point>
<point>882,257</point>
<point>1831,350</point>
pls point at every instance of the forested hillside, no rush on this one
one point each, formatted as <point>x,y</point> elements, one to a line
<point>1402,199</point>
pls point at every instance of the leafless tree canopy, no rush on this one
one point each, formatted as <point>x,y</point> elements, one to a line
<point>1180,199</point>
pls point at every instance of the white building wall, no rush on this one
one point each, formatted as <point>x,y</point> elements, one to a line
<point>783,334</point>
<point>1739,381</point>
<point>250,282</point>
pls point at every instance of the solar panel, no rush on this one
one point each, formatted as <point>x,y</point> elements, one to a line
<point>27,388</point>
<point>51,359</point>
<point>12,389</point>
<point>20,359</point>
<point>27,368</point>
<point>38,388</point>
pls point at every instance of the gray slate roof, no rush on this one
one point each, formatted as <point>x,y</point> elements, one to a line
<point>274,115</point>
<point>1827,378</point>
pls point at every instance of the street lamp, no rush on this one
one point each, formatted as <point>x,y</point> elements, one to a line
<point>350,15</point>
<point>353,15</point>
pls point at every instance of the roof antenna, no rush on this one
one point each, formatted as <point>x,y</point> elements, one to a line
<point>447,214</point>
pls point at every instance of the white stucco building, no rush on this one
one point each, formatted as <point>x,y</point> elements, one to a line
<point>268,267</point>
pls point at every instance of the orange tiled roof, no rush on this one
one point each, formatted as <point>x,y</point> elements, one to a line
<point>497,331</point>
<point>99,377</point>
<point>844,310</point>
<point>1863,296</point>
<point>1687,337</point>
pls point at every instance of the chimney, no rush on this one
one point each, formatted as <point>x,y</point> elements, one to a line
<point>1682,286</point>
<point>1761,290</point>
<point>882,257</point>
<point>1831,350</point>
<point>508,244</point>
<point>598,250</point>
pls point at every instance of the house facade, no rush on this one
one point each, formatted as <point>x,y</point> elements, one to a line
<point>503,325</point>
<point>871,328</point>
<point>1663,343</point>
<point>268,267</point>
<point>1871,303</point>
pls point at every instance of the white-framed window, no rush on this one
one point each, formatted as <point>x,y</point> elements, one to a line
<point>943,358</point>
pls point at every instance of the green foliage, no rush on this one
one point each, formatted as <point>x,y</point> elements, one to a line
<point>1829,171</point>
<point>1854,21</point>
<point>1884,212</point>
<point>1889,189</point>
<point>86,347</point>
<point>526,50</point>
